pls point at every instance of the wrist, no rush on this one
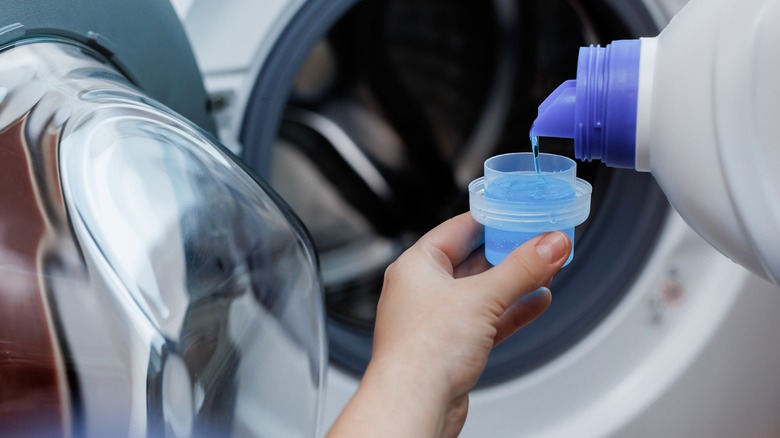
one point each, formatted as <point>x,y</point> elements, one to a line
<point>413,397</point>
<point>395,398</point>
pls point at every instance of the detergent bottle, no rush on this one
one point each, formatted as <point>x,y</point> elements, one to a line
<point>698,106</point>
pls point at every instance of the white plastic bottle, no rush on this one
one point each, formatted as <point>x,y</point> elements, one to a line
<point>699,107</point>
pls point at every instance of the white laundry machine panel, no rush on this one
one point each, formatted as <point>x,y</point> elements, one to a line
<point>369,118</point>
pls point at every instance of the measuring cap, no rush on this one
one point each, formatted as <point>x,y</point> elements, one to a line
<point>515,203</point>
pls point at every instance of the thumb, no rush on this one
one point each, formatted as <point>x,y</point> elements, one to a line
<point>527,268</point>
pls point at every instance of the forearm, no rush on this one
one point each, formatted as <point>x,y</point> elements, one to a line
<point>394,399</point>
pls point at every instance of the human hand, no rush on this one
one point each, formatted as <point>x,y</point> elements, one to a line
<point>442,309</point>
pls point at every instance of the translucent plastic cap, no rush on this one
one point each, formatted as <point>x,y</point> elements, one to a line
<point>493,202</point>
<point>515,203</point>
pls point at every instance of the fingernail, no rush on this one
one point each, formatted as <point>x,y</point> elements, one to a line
<point>535,295</point>
<point>552,247</point>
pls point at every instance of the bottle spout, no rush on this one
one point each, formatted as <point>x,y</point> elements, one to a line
<point>556,113</point>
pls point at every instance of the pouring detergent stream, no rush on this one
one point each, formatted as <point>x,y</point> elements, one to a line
<point>535,151</point>
<point>697,106</point>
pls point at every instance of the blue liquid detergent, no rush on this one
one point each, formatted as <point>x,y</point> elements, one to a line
<point>535,150</point>
<point>545,187</point>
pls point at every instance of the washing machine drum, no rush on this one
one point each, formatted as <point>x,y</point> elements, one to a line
<point>371,118</point>
<point>149,284</point>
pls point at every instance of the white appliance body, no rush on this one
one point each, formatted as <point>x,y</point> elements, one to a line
<point>688,351</point>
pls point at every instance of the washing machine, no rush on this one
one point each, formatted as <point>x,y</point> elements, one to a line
<point>370,119</point>
<point>153,283</point>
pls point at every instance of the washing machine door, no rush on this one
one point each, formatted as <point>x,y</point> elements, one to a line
<point>150,285</point>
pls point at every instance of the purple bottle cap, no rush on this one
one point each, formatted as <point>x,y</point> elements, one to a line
<point>598,110</point>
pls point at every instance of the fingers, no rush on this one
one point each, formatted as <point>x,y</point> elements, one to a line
<point>525,269</point>
<point>455,238</point>
<point>522,312</point>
